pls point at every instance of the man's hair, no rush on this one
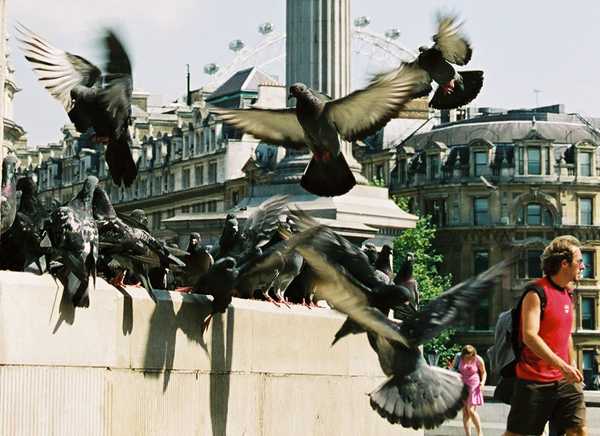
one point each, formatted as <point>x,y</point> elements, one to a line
<point>560,249</point>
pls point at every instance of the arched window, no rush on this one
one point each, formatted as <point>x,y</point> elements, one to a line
<point>534,214</point>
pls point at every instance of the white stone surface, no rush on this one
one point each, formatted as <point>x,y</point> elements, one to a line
<point>125,366</point>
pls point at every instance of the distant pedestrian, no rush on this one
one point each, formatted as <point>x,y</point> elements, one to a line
<point>472,370</point>
<point>548,385</point>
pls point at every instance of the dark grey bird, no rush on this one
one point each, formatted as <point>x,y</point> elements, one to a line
<point>8,202</point>
<point>384,262</point>
<point>244,254</point>
<point>317,122</point>
<point>228,237</point>
<point>415,394</point>
<point>404,277</point>
<point>25,246</point>
<point>434,63</point>
<point>197,262</point>
<point>74,234</point>
<point>91,99</point>
<point>371,251</point>
<point>140,216</point>
<point>128,248</point>
<point>375,295</point>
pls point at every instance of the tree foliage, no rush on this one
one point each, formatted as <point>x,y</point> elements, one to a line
<point>425,271</point>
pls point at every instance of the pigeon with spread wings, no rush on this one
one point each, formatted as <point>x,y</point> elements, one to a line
<point>317,123</point>
<point>415,394</point>
<point>434,63</point>
<point>91,99</point>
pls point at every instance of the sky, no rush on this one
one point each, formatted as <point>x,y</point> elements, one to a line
<point>551,46</point>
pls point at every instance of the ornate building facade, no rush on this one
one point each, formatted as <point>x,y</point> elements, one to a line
<point>504,184</point>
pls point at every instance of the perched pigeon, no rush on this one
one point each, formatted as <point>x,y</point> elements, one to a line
<point>404,277</point>
<point>383,263</point>
<point>317,122</point>
<point>228,237</point>
<point>128,248</point>
<point>434,63</point>
<point>25,246</point>
<point>9,193</point>
<point>102,102</point>
<point>415,394</point>
<point>197,262</point>
<point>74,234</point>
<point>371,251</point>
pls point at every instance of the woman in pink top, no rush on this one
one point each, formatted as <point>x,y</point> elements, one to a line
<point>472,372</point>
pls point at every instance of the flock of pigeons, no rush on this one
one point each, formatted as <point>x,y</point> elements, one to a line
<point>280,253</point>
<point>102,102</point>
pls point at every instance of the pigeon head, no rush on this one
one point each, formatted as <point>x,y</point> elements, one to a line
<point>297,89</point>
<point>195,238</point>
<point>140,216</point>
<point>423,49</point>
<point>27,185</point>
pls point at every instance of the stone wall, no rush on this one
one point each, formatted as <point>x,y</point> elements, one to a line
<point>125,366</point>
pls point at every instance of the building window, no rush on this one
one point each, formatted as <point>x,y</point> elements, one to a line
<point>529,264</point>
<point>199,175</point>
<point>235,197</point>
<point>437,209</point>
<point>534,161</point>
<point>589,365</point>
<point>480,212</point>
<point>402,171</point>
<point>481,317</point>
<point>585,211</point>
<point>434,166</point>
<point>534,214</point>
<point>588,261</point>
<point>480,163</point>
<point>585,164</point>
<point>588,313</point>
<point>185,178</point>
<point>481,262</point>
<point>379,173</point>
<point>185,209</point>
<point>212,172</point>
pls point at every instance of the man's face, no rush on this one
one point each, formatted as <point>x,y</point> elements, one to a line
<point>577,266</point>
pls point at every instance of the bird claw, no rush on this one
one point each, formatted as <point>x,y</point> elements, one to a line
<point>448,89</point>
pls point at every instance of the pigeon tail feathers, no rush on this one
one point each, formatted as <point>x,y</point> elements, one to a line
<point>423,398</point>
<point>328,178</point>
<point>463,92</point>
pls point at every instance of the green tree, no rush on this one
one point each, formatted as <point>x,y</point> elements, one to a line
<point>431,283</point>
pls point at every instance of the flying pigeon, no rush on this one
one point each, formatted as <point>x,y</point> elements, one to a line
<point>91,99</point>
<point>128,248</point>
<point>434,63</point>
<point>25,246</point>
<point>317,122</point>
<point>74,234</point>
<point>8,202</point>
<point>370,297</point>
<point>415,394</point>
<point>242,255</point>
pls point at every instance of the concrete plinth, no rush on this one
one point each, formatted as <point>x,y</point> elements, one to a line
<point>125,366</point>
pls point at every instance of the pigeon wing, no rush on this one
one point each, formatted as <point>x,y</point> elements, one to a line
<point>274,126</point>
<point>340,290</point>
<point>455,47</point>
<point>58,70</point>
<point>366,111</point>
<point>452,306</point>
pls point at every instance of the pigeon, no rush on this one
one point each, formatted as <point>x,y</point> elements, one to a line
<point>372,298</point>
<point>140,216</point>
<point>245,252</point>
<point>91,99</point>
<point>128,248</point>
<point>415,395</point>
<point>8,202</point>
<point>383,263</point>
<point>197,263</point>
<point>74,234</point>
<point>434,63</point>
<point>404,277</point>
<point>26,244</point>
<point>371,251</point>
<point>227,239</point>
<point>317,122</point>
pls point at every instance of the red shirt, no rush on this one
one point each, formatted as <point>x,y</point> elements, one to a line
<point>555,330</point>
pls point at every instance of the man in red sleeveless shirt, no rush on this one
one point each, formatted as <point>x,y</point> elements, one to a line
<point>548,387</point>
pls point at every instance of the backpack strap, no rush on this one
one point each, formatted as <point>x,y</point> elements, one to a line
<point>541,293</point>
<point>516,318</point>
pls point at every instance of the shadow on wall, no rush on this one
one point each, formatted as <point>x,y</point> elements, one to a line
<point>220,377</point>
